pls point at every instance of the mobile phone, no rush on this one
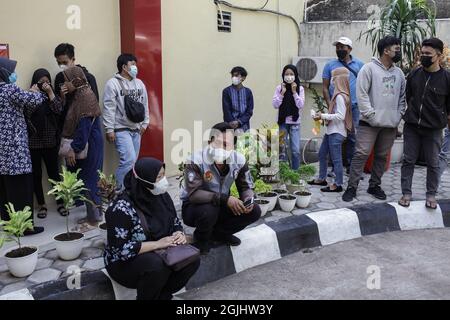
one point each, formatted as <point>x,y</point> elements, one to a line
<point>249,202</point>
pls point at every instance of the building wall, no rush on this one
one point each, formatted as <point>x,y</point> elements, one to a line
<point>197,60</point>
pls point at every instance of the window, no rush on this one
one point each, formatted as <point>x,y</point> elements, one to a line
<point>223,21</point>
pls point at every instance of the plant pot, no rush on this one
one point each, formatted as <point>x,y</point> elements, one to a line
<point>287,202</point>
<point>264,205</point>
<point>103,232</point>
<point>280,191</point>
<point>292,188</point>
<point>22,264</point>
<point>272,197</point>
<point>69,248</point>
<point>303,199</point>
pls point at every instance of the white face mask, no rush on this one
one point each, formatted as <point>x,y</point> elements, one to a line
<point>236,81</point>
<point>63,67</point>
<point>289,79</point>
<point>160,187</point>
<point>220,155</point>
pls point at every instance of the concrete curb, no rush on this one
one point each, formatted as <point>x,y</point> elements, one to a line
<point>265,243</point>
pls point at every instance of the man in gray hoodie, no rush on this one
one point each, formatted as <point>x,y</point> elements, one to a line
<point>120,130</point>
<point>381,99</point>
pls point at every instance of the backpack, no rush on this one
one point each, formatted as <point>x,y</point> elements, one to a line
<point>134,110</point>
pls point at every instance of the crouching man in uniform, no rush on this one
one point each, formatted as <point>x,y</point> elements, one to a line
<point>207,203</point>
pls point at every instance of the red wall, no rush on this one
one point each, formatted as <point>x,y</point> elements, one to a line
<point>140,23</point>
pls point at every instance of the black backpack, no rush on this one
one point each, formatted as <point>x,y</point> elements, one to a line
<point>134,109</point>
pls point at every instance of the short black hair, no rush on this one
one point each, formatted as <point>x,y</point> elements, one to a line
<point>434,43</point>
<point>124,59</point>
<point>240,70</point>
<point>220,127</point>
<point>387,42</point>
<point>65,49</point>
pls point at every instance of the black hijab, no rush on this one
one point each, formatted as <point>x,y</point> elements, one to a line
<point>159,211</point>
<point>7,67</point>
<point>43,114</point>
<point>288,106</point>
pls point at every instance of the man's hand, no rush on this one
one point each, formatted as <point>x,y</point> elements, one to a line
<point>111,137</point>
<point>283,88</point>
<point>180,238</point>
<point>70,159</point>
<point>166,242</point>
<point>236,206</point>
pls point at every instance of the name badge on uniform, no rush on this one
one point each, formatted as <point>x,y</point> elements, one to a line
<point>208,176</point>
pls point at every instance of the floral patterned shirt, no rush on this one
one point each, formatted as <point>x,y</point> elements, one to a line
<point>15,156</point>
<point>125,233</point>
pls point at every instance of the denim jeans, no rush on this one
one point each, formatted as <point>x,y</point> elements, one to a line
<point>128,144</point>
<point>444,154</point>
<point>351,139</point>
<point>332,146</point>
<point>292,136</point>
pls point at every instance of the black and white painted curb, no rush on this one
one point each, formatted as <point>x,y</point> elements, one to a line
<point>265,243</point>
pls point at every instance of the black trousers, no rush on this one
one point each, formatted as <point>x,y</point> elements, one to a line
<point>50,158</point>
<point>151,277</point>
<point>17,190</point>
<point>215,221</point>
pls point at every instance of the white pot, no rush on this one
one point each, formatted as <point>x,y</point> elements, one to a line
<point>103,233</point>
<point>273,200</point>
<point>264,205</point>
<point>302,201</point>
<point>23,266</point>
<point>69,250</point>
<point>287,205</point>
<point>397,151</point>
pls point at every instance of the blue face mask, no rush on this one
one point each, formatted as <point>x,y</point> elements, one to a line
<point>133,72</point>
<point>13,78</point>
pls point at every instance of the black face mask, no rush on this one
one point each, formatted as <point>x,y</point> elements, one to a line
<point>341,54</point>
<point>426,61</point>
<point>397,57</point>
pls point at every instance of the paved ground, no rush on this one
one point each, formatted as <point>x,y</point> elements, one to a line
<point>413,265</point>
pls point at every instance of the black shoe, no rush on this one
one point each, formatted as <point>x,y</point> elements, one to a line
<point>328,189</point>
<point>203,246</point>
<point>35,230</point>
<point>229,240</point>
<point>349,194</point>
<point>377,192</point>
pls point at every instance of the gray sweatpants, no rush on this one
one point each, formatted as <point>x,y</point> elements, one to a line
<point>430,140</point>
<point>381,141</point>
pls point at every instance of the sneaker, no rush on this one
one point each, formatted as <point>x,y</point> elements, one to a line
<point>229,240</point>
<point>349,194</point>
<point>377,192</point>
<point>35,230</point>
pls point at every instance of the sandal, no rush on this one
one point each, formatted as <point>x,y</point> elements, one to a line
<point>405,201</point>
<point>328,189</point>
<point>62,211</point>
<point>314,183</point>
<point>83,228</point>
<point>431,204</point>
<point>42,213</point>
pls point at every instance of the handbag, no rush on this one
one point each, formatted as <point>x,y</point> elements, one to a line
<point>66,146</point>
<point>134,110</point>
<point>175,258</point>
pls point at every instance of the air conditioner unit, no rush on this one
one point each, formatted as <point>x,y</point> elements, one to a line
<point>310,69</point>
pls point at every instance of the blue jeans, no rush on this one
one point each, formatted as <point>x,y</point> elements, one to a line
<point>351,139</point>
<point>332,145</point>
<point>128,144</point>
<point>445,153</point>
<point>292,136</point>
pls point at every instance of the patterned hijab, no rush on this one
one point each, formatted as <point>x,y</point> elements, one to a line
<point>340,78</point>
<point>84,103</point>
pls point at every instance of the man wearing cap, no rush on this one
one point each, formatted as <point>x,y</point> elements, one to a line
<point>344,59</point>
<point>428,113</point>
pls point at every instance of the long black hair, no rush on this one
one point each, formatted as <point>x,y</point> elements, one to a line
<point>288,106</point>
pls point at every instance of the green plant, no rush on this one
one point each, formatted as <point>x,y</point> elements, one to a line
<point>14,229</point>
<point>260,187</point>
<point>401,18</point>
<point>69,190</point>
<point>306,172</point>
<point>107,186</point>
<point>288,175</point>
<point>319,101</point>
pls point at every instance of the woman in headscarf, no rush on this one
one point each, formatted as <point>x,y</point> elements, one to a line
<point>43,138</point>
<point>338,124</point>
<point>289,99</point>
<point>16,178</point>
<point>129,254</point>
<point>82,124</point>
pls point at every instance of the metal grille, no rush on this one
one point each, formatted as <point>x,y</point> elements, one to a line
<point>224,21</point>
<point>307,69</point>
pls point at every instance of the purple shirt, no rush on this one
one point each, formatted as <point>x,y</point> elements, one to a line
<point>299,102</point>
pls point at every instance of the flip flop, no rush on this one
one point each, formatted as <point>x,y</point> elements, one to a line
<point>62,211</point>
<point>328,189</point>
<point>314,183</point>
<point>431,204</point>
<point>42,213</point>
<point>405,201</point>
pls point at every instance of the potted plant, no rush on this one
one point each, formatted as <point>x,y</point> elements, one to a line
<point>266,199</point>
<point>289,177</point>
<point>107,191</point>
<point>287,202</point>
<point>306,172</point>
<point>264,205</point>
<point>69,190</point>
<point>21,261</point>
